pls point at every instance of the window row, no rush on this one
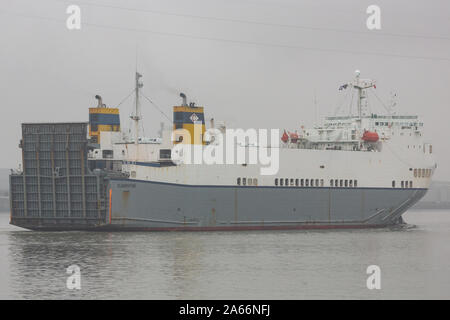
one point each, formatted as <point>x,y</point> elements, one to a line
<point>299,182</point>
<point>343,183</point>
<point>315,182</point>
<point>247,181</point>
<point>422,173</point>
<point>403,184</point>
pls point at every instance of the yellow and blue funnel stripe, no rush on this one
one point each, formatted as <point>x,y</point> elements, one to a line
<point>190,119</point>
<point>103,119</point>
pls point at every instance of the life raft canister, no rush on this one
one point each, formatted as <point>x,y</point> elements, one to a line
<point>370,136</point>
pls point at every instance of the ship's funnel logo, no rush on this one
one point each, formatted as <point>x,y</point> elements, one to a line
<point>194,117</point>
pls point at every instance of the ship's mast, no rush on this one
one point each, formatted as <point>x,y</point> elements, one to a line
<point>136,117</point>
<point>361,85</point>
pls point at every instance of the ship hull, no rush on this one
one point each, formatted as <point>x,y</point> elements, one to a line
<point>154,206</point>
<point>136,205</point>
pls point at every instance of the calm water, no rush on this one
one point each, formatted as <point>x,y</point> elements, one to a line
<point>415,263</point>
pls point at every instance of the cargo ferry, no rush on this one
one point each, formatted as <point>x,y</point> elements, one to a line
<point>361,170</point>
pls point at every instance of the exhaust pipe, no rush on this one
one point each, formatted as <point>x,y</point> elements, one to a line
<point>183,96</point>
<point>100,101</point>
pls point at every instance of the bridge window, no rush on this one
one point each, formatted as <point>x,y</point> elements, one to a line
<point>296,182</point>
<point>302,182</point>
<point>238,181</point>
<point>307,182</point>
<point>244,181</point>
<point>350,183</point>
<point>403,184</point>
<point>346,183</point>
<point>255,182</point>
<point>286,182</point>
<point>321,182</point>
<point>281,182</point>
<point>165,154</point>
<point>292,182</point>
<point>415,173</point>
<point>317,182</point>
<point>410,184</point>
<point>341,183</point>
<point>331,182</point>
<point>355,183</point>
<point>393,183</point>
<point>249,181</point>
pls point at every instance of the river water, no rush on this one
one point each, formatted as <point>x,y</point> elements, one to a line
<point>414,263</point>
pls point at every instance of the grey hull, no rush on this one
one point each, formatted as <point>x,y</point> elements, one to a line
<point>144,205</point>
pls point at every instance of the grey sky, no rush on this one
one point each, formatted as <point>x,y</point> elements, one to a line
<point>48,73</point>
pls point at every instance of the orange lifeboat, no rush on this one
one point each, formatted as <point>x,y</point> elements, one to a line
<point>285,137</point>
<point>370,136</point>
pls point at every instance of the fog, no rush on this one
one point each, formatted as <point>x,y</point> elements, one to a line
<point>250,63</point>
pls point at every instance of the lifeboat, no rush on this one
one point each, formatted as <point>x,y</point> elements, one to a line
<point>285,137</point>
<point>370,136</point>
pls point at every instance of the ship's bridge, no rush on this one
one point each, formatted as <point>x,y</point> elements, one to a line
<point>356,133</point>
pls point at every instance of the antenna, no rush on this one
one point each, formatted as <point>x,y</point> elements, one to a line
<point>136,117</point>
<point>315,107</point>
<point>393,102</point>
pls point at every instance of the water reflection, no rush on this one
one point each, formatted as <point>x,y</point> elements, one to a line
<point>278,265</point>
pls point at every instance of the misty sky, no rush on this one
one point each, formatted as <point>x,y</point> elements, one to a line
<point>48,73</point>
